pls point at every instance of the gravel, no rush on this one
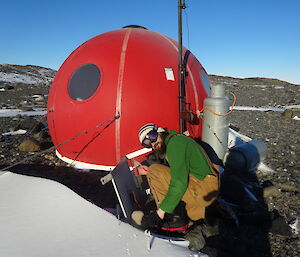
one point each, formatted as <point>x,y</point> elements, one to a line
<point>279,133</point>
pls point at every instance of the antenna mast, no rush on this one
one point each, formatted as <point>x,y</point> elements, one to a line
<point>181,72</point>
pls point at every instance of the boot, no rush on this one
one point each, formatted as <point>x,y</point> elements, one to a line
<point>195,238</point>
<point>146,221</point>
<point>177,221</point>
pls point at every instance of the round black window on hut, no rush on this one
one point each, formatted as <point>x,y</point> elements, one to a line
<point>84,82</point>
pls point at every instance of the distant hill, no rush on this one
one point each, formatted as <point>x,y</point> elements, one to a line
<point>248,81</point>
<point>30,74</point>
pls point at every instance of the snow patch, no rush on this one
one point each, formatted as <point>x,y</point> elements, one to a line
<point>260,86</point>
<point>13,133</point>
<point>38,98</point>
<point>252,108</point>
<point>265,108</point>
<point>296,118</point>
<point>40,217</point>
<point>19,78</point>
<point>15,112</point>
<point>295,226</point>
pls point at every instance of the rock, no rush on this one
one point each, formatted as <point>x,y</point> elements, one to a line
<point>38,98</point>
<point>234,127</point>
<point>27,109</point>
<point>291,113</point>
<point>31,124</point>
<point>41,135</point>
<point>295,226</point>
<point>29,145</point>
<point>49,157</point>
<point>287,187</point>
<point>9,87</point>
<point>279,226</point>
<point>271,191</point>
<point>2,138</point>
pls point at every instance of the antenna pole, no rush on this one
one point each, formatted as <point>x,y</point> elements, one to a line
<point>181,80</point>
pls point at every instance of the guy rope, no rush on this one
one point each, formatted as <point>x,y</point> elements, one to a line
<point>108,122</point>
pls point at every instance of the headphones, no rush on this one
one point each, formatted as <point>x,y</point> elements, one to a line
<point>155,128</point>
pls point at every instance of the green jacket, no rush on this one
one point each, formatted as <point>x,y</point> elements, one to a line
<point>185,156</point>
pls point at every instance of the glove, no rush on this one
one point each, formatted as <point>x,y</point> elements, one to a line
<point>151,221</point>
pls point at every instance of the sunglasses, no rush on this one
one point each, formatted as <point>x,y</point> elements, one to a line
<point>151,137</point>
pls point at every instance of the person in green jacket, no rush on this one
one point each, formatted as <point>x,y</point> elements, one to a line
<point>190,180</point>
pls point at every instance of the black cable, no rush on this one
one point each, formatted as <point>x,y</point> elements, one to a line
<point>66,141</point>
<point>97,134</point>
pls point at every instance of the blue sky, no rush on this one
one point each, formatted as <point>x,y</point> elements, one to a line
<point>257,38</point>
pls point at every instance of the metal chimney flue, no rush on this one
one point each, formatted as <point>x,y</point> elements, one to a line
<point>215,126</point>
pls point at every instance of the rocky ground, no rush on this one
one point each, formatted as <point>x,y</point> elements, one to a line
<point>281,135</point>
<point>278,132</point>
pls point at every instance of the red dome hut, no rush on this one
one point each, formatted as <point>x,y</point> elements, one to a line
<point>113,84</point>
